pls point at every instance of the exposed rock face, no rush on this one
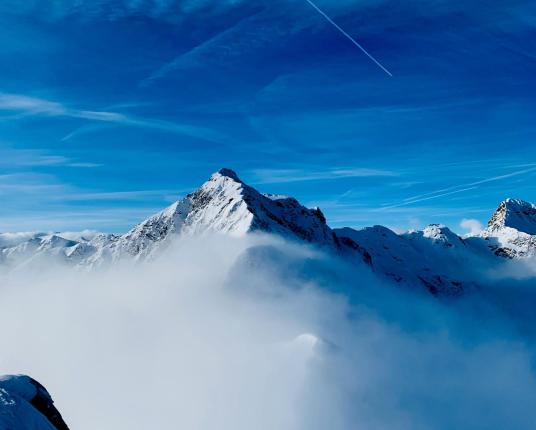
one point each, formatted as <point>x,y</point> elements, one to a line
<point>516,214</point>
<point>511,231</point>
<point>225,204</point>
<point>442,261</point>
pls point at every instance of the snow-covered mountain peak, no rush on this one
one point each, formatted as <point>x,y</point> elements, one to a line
<point>516,214</point>
<point>223,204</point>
<point>226,173</point>
<point>441,234</point>
<point>139,241</point>
<point>226,204</point>
<point>223,179</point>
<point>511,231</point>
<point>55,241</point>
<point>413,258</point>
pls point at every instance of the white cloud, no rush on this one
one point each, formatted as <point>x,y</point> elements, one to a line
<point>15,158</point>
<point>121,195</point>
<point>259,345</point>
<point>26,106</point>
<point>472,226</point>
<point>84,165</point>
<point>29,104</point>
<point>273,176</point>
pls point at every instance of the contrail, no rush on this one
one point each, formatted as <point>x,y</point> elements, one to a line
<point>455,189</point>
<point>427,198</point>
<point>355,42</point>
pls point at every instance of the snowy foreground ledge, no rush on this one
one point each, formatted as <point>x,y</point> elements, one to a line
<point>26,405</point>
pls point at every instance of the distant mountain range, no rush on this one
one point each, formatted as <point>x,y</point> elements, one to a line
<point>434,258</point>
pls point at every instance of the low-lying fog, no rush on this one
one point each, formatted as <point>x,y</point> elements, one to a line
<point>254,333</point>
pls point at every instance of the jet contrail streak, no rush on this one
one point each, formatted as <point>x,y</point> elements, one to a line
<point>355,42</point>
<point>454,189</point>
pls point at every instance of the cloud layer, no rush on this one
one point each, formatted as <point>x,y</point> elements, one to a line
<point>255,333</point>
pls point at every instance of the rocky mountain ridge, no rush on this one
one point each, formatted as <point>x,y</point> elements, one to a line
<point>226,205</point>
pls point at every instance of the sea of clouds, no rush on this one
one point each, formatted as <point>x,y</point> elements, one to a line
<point>255,333</point>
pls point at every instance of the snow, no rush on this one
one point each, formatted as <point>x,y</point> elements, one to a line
<point>515,214</point>
<point>414,258</point>
<point>511,231</point>
<point>19,385</point>
<point>225,205</point>
<point>16,411</point>
<point>222,205</point>
<point>9,240</point>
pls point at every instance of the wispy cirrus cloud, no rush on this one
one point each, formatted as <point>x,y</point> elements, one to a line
<point>109,219</point>
<point>136,195</point>
<point>47,187</point>
<point>15,158</point>
<point>23,106</point>
<point>37,201</point>
<point>188,56</point>
<point>273,176</point>
<point>163,9</point>
<point>20,186</point>
<point>30,105</point>
<point>227,44</point>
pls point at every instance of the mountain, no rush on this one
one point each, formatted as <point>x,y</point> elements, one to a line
<point>515,214</point>
<point>414,258</point>
<point>443,262</point>
<point>511,231</point>
<point>435,258</point>
<point>225,204</point>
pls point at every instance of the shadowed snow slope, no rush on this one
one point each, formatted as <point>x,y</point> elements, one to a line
<point>516,214</point>
<point>26,405</point>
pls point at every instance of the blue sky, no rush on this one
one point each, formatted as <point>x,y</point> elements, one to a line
<point>110,110</point>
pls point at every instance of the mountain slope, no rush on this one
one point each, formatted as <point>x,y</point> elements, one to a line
<point>516,214</point>
<point>430,258</point>
<point>226,205</point>
<point>435,258</point>
<point>511,231</point>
